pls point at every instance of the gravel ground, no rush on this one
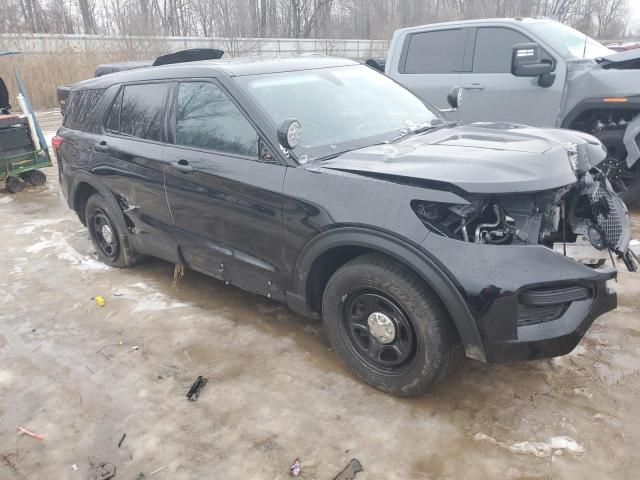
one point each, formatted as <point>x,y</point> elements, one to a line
<point>82,375</point>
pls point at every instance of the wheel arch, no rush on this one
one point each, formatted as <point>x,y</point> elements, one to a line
<point>328,251</point>
<point>83,187</point>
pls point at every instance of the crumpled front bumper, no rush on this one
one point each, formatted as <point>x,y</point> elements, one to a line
<point>497,281</point>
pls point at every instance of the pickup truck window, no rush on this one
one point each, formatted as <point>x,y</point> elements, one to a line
<point>206,118</point>
<point>493,49</point>
<point>440,51</point>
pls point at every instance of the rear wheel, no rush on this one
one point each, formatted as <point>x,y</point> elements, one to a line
<point>14,184</point>
<point>388,327</point>
<point>624,180</point>
<point>109,241</point>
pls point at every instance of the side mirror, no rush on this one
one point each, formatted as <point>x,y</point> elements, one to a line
<point>526,61</point>
<point>289,133</point>
<point>454,96</point>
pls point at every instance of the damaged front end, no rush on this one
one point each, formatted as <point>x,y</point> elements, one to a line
<point>586,221</point>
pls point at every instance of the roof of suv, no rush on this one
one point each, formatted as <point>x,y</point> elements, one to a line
<point>231,66</point>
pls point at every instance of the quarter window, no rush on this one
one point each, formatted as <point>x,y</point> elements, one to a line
<point>440,51</point>
<point>494,47</point>
<point>141,111</point>
<point>82,103</point>
<point>206,118</point>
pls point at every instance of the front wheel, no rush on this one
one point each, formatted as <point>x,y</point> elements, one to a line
<point>388,327</point>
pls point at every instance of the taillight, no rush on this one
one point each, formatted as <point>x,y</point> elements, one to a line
<point>56,143</point>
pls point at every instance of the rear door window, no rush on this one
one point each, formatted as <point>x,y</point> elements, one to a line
<point>440,51</point>
<point>206,118</point>
<point>140,111</point>
<point>494,46</point>
<point>81,105</point>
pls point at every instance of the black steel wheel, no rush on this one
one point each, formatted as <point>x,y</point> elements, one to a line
<point>108,233</point>
<point>388,326</point>
<point>14,184</point>
<point>104,233</point>
<point>379,331</point>
<point>37,177</point>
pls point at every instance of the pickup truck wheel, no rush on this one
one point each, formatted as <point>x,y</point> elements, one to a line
<point>110,243</point>
<point>624,180</point>
<point>388,327</point>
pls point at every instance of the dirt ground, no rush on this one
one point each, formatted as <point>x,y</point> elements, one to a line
<point>82,375</point>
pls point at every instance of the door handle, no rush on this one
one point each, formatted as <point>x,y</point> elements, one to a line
<point>183,166</point>
<point>101,146</point>
<point>473,86</point>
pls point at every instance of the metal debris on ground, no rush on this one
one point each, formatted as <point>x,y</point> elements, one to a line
<point>157,470</point>
<point>30,433</point>
<point>349,472</point>
<point>99,470</point>
<point>295,468</point>
<point>198,385</point>
<point>121,440</point>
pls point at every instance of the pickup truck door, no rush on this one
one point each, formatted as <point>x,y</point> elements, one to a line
<point>491,93</point>
<point>430,63</point>
<point>224,191</point>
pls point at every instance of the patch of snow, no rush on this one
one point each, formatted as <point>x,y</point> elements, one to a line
<point>544,449</point>
<point>64,251</point>
<point>6,199</point>
<point>555,446</point>
<point>29,227</point>
<point>148,300</point>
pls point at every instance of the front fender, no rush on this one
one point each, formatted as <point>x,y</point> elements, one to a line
<point>406,253</point>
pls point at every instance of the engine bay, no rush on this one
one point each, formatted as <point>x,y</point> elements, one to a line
<point>587,215</point>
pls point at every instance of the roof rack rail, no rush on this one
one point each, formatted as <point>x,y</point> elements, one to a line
<point>189,55</point>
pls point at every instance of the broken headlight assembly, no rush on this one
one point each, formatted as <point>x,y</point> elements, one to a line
<point>584,220</point>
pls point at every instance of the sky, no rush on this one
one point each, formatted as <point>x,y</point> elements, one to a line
<point>634,9</point>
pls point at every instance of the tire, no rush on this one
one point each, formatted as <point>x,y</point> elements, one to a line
<point>109,240</point>
<point>625,181</point>
<point>413,320</point>
<point>37,177</point>
<point>14,184</point>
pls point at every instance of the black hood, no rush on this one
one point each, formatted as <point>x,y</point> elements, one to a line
<point>480,158</point>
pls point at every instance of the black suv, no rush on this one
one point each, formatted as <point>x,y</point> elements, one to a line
<point>324,184</point>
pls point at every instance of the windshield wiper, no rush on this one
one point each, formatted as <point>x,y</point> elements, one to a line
<point>420,129</point>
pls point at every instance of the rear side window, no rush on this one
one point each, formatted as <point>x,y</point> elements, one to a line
<point>441,51</point>
<point>138,110</point>
<point>206,118</point>
<point>494,46</point>
<point>81,105</point>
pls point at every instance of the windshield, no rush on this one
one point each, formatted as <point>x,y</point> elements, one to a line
<point>339,108</point>
<point>569,42</point>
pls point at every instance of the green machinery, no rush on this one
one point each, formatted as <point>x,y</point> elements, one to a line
<point>23,148</point>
